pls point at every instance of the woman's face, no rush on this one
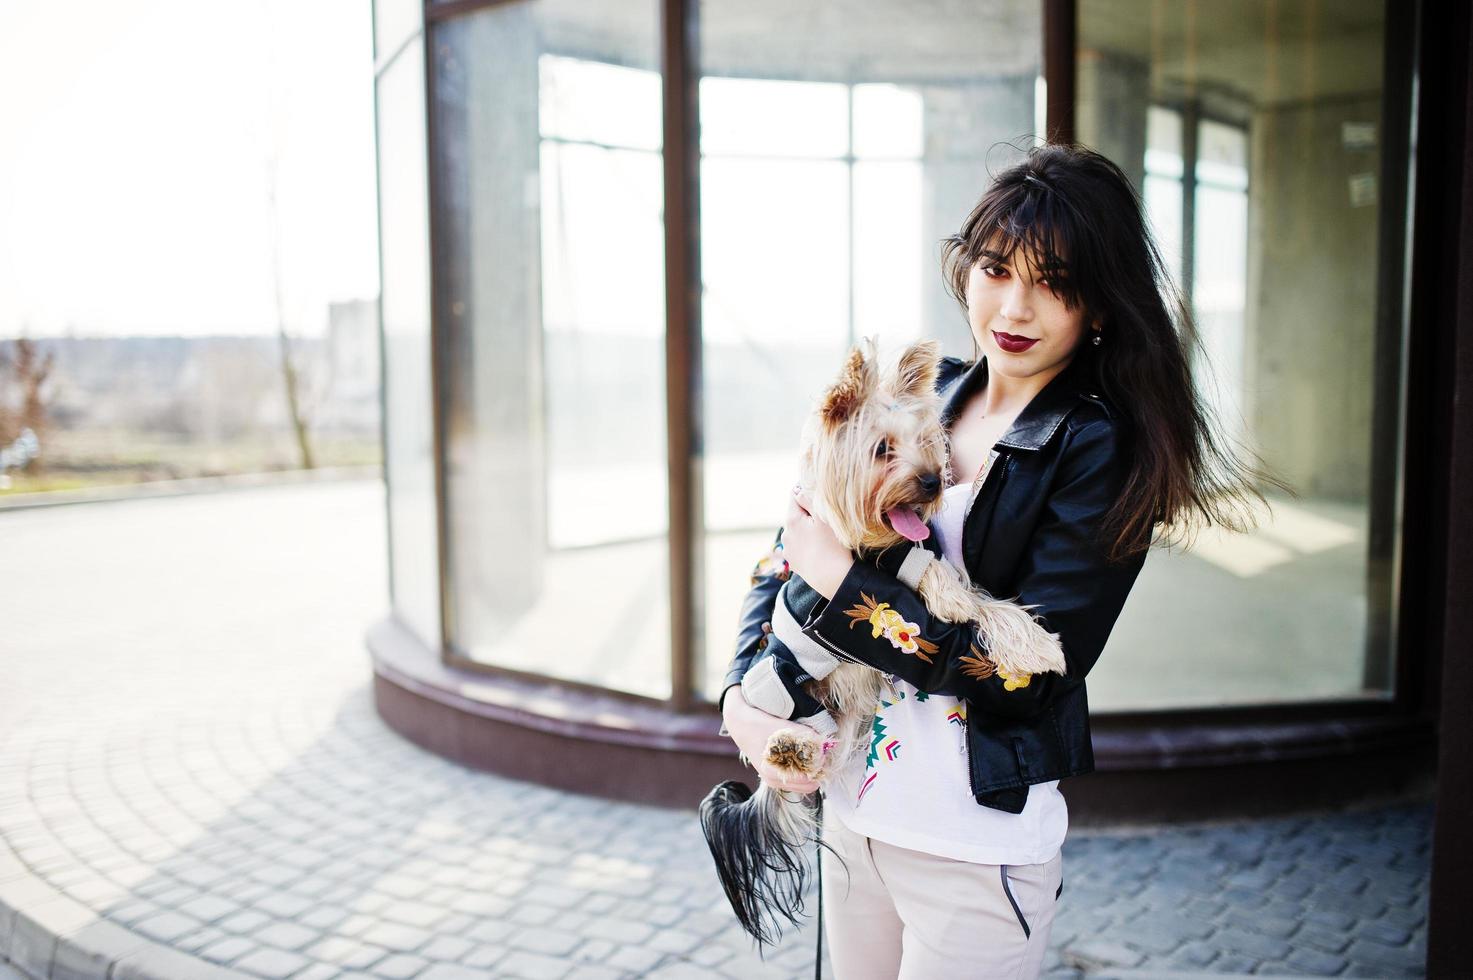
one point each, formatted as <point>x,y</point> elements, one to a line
<point>1019,319</point>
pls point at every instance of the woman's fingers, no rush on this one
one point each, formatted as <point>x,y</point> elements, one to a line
<point>792,784</point>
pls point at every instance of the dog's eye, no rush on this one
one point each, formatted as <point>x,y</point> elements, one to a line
<point>883,449</point>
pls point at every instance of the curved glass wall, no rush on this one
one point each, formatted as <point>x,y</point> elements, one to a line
<point>1256,133</point>
<point>550,295</point>
<point>404,243</point>
<point>832,161</point>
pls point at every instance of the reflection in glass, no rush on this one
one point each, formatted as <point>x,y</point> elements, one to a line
<point>550,291</point>
<point>833,162</point>
<point>408,428</point>
<point>1251,131</point>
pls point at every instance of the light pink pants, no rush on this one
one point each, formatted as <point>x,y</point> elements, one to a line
<point>905,914</point>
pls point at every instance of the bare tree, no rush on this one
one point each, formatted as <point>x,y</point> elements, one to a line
<point>25,368</point>
<point>291,374</point>
<point>290,366</point>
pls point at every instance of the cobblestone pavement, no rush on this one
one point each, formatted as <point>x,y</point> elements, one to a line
<point>193,783</point>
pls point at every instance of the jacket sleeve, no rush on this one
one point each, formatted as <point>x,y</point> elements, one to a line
<point>1064,576</point>
<point>767,578</point>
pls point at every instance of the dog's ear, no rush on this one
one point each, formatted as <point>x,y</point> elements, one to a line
<point>849,391</point>
<point>915,375</point>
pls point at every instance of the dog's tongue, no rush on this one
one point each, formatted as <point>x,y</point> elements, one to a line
<point>907,524</point>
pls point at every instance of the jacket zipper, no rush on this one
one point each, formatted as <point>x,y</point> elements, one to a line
<point>971,766</point>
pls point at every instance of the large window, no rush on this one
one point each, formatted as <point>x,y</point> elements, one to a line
<point>409,459</point>
<point>1254,130</point>
<point>550,298</point>
<point>837,145</point>
<point>829,177</point>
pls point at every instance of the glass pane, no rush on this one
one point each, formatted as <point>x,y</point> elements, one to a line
<point>393,22</point>
<point>551,292</point>
<point>1252,128</point>
<point>408,428</point>
<point>834,160</point>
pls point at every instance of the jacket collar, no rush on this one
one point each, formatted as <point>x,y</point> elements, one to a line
<point>1040,418</point>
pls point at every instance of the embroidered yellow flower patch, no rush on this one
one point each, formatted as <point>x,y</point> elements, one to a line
<point>1011,682</point>
<point>892,626</point>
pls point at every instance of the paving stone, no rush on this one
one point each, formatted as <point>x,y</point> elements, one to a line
<point>1095,953</point>
<point>1263,922</point>
<point>410,913</point>
<point>533,966</point>
<point>679,971</point>
<point>1395,962</point>
<point>674,941</point>
<point>318,971</point>
<point>166,926</point>
<point>451,971</point>
<point>283,905</point>
<point>286,935</point>
<point>345,952</point>
<point>635,959</point>
<point>1330,918</point>
<point>207,908</point>
<point>227,949</point>
<point>1251,943</point>
<point>446,948</point>
<point>268,962</point>
<point>552,942</point>
<point>323,918</point>
<point>200,938</point>
<point>588,971</point>
<point>392,935</point>
<point>1315,962</point>
<point>1234,963</point>
<point>1384,933</point>
<point>1194,954</point>
<point>484,955</point>
<point>1320,938</point>
<point>625,931</point>
<point>243,922</point>
<point>399,966</point>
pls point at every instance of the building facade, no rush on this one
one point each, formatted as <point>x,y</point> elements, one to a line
<point>625,244</point>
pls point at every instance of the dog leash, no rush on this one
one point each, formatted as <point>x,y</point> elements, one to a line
<point>818,853</point>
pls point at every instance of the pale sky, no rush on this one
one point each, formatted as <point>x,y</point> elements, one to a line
<point>134,161</point>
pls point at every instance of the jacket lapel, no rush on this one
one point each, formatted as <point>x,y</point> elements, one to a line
<point>1038,421</point>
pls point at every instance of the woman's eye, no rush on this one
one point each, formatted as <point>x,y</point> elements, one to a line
<point>994,271</point>
<point>882,450</point>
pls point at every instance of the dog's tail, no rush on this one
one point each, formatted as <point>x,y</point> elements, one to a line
<point>759,842</point>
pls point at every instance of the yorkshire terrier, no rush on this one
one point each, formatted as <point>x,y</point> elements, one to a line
<point>874,460</point>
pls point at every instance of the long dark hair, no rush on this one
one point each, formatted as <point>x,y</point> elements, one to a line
<point>1070,204</point>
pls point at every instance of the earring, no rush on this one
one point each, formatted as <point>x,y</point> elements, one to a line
<point>1099,338</point>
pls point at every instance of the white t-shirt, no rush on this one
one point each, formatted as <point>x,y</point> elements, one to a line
<point>912,788</point>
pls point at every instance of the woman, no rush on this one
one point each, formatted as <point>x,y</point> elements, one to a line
<point>1074,434</point>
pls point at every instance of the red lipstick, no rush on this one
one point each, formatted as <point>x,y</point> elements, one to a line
<point>1012,344</point>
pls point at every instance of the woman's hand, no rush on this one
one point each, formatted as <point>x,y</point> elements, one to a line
<point>811,549</point>
<point>750,728</point>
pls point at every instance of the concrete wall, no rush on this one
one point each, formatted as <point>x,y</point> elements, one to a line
<point>1312,295</point>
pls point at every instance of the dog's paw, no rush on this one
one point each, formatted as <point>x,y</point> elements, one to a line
<point>795,753</point>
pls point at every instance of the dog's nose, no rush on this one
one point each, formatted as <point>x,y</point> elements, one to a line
<point>930,483</point>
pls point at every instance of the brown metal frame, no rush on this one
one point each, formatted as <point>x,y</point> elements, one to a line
<point>1060,44</point>
<point>1439,552</point>
<point>679,44</point>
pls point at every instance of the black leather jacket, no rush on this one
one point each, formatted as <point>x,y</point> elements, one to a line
<point>1032,535</point>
